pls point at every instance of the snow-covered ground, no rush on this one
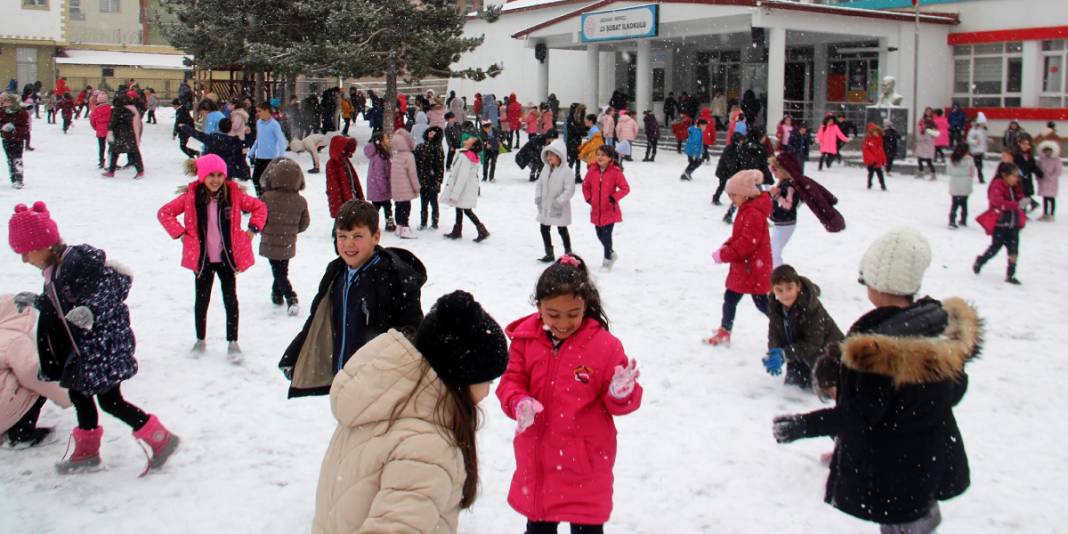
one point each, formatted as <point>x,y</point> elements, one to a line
<point>698,457</point>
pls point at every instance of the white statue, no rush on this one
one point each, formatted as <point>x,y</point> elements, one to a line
<point>887,97</point>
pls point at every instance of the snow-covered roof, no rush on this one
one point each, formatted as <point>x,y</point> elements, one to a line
<point>132,59</point>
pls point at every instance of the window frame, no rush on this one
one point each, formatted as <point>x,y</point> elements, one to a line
<point>1045,97</point>
<point>116,4</point>
<point>41,5</point>
<point>1004,97</point>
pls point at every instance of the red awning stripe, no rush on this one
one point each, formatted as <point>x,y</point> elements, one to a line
<point>1001,36</point>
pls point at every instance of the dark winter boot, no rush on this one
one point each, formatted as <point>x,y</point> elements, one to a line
<point>456,233</point>
<point>292,305</point>
<point>549,257</point>
<point>1010,274</point>
<point>276,298</point>
<point>482,233</point>
<point>390,225</point>
<point>978,265</point>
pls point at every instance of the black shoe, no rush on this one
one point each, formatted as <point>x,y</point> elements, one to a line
<point>548,258</point>
<point>313,170</point>
<point>952,224</point>
<point>434,226</point>
<point>35,439</point>
<point>1012,280</point>
<point>978,265</point>
<point>276,298</point>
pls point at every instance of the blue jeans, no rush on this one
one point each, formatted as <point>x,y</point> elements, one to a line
<point>604,235</point>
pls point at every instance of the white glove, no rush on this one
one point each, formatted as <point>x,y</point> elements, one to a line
<point>9,127</point>
<point>624,379</point>
<point>81,317</point>
<point>24,300</point>
<point>525,410</point>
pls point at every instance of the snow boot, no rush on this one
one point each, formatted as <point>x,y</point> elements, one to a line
<point>721,338</point>
<point>404,232</point>
<point>978,265</point>
<point>390,225</point>
<point>198,348</point>
<point>86,454</point>
<point>549,256</point>
<point>1010,275</point>
<point>17,184</point>
<point>34,439</point>
<point>610,261</point>
<point>234,354</point>
<point>162,442</point>
<point>482,233</point>
<point>108,174</point>
<point>276,298</point>
<point>456,233</point>
<point>292,305</point>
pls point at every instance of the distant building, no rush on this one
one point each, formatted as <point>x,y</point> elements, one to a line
<point>30,35</point>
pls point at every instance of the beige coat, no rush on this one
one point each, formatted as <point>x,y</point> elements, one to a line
<point>382,479</point>
<point>19,386</point>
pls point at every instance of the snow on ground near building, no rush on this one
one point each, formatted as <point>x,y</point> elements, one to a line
<point>698,456</point>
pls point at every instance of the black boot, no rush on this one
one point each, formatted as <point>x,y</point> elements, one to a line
<point>482,233</point>
<point>549,257</point>
<point>276,298</point>
<point>978,265</point>
<point>456,233</point>
<point>1010,274</point>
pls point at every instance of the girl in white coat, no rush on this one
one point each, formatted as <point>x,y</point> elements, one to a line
<point>461,188</point>
<point>552,195</point>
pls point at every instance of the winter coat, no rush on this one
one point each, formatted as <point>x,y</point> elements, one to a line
<point>403,178</point>
<point>66,108</point>
<point>392,281</point>
<point>576,132</point>
<point>20,386</point>
<point>87,361</point>
<point>389,470</point>
<point>821,202</point>
<point>548,121</point>
<point>957,119</point>
<point>453,135</point>
<point>727,165</point>
<point>784,204</point>
<point>421,124</point>
<point>800,143</point>
<point>681,128</point>
<point>805,330</point>
<point>651,125</point>
<point>753,154</point>
<point>20,118</point>
<point>1051,169</point>
<point>490,112</point>
<point>874,152</point>
<point>960,176</point>
<point>709,136</point>
<point>100,119</point>
<point>564,461</point>
<point>342,182</point>
<point>1004,210</point>
<point>237,245</point>
<point>828,136</point>
<point>748,250</point>
<point>719,106</point>
<point>228,147</point>
<point>378,169</point>
<point>891,140</point>
<point>978,141</point>
<point>1011,139</point>
<point>588,151</point>
<point>346,109</point>
<point>925,142</point>
<point>436,118</point>
<point>897,445</point>
<point>607,124</point>
<point>287,212</point>
<point>1029,169</point>
<point>430,161</point>
<point>603,189</point>
<point>555,187</point>
<point>942,124</point>
<point>626,128</point>
<point>515,115</point>
<point>532,122</point>
<point>530,154</point>
<point>695,146</point>
<point>124,129</point>
<point>461,188</point>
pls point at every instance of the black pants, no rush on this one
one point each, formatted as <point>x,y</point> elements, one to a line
<point>650,149</point>
<point>151,117</point>
<point>489,165</point>
<point>668,118</point>
<point>678,146</point>
<point>404,212</point>
<point>534,527</point>
<point>258,167</point>
<point>876,171</point>
<point>693,164</point>
<point>962,203</point>
<point>449,156</point>
<point>930,165</point>
<point>604,235</point>
<point>134,158</point>
<point>428,198</point>
<point>1049,205</point>
<point>204,281</point>
<point>281,286</point>
<point>23,429</point>
<point>460,212</point>
<point>111,401</point>
<point>102,144</point>
<point>182,140</point>
<point>1003,237</point>
<point>66,123</point>
<point>719,189</point>
<point>826,159</point>
<point>13,149</point>
<point>345,128</point>
<point>547,240</point>
<point>978,159</point>
<point>386,207</point>
<point>940,153</point>
<point>730,307</point>
<point>50,116</point>
<point>889,164</point>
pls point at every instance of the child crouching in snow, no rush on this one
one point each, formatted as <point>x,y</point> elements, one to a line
<point>898,450</point>
<point>799,327</point>
<point>565,365</point>
<point>748,251</point>
<point>84,338</point>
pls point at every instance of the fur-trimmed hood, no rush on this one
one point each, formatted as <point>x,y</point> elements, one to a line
<point>919,360</point>
<point>1052,145</point>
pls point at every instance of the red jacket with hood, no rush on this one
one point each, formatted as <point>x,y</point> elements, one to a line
<point>342,182</point>
<point>603,190</point>
<point>748,250</point>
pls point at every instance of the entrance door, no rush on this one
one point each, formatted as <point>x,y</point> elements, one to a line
<point>25,66</point>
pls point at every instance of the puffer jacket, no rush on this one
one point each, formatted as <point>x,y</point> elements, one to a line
<point>960,176</point>
<point>978,140</point>
<point>430,161</point>
<point>603,189</point>
<point>873,150</point>
<point>418,129</point>
<point>237,245</point>
<point>125,129</point>
<point>1004,210</point>
<point>532,121</point>
<point>100,118</point>
<point>607,125</point>
<point>588,151</point>
<point>342,182</point>
<point>564,461</point>
<point>403,178</point>
<point>389,469</point>
<point>287,210</point>
<point>19,119</point>
<point>555,187</point>
<point>626,128</point>
<point>461,188</point>
<point>828,136</point>
<point>652,126</point>
<point>515,114</point>
<point>378,168</point>
<point>748,250</point>
<point>925,142</point>
<point>20,386</point>
<point>1051,168</point>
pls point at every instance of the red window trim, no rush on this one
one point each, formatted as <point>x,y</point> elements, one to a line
<point>1001,36</point>
<point>1021,114</point>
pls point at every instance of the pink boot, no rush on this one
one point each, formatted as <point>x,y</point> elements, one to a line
<point>86,451</point>
<point>163,443</point>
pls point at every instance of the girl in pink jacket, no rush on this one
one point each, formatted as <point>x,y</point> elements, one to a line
<point>828,136</point>
<point>567,379</point>
<point>603,188</point>
<point>99,119</point>
<point>213,242</point>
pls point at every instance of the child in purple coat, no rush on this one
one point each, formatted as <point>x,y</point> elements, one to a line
<point>379,191</point>
<point>652,135</point>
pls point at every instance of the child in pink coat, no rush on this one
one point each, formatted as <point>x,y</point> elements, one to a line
<point>567,379</point>
<point>828,136</point>
<point>603,188</point>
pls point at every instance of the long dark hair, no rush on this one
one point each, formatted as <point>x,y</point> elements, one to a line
<point>377,139</point>
<point>959,152</point>
<point>1005,169</point>
<point>570,276</point>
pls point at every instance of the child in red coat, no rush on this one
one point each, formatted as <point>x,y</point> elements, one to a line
<point>875,154</point>
<point>565,365</point>
<point>99,119</point>
<point>681,129</point>
<point>342,182</point>
<point>603,188</point>
<point>1004,220</point>
<point>748,251</point>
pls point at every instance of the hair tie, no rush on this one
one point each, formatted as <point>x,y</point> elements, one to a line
<point>570,260</point>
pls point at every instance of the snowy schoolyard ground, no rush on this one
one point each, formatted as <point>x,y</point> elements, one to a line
<point>699,455</point>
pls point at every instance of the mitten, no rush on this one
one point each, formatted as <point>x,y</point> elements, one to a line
<point>525,410</point>
<point>24,300</point>
<point>8,128</point>
<point>773,361</point>
<point>81,317</point>
<point>788,428</point>
<point>623,380</point>
<point>717,256</point>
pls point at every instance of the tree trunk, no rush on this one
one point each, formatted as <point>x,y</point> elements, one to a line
<point>389,101</point>
<point>261,93</point>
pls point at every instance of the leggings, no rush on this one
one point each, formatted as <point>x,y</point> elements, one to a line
<point>280,273</point>
<point>428,205</point>
<point>604,235</point>
<point>460,212</point>
<point>877,171</point>
<point>547,240</point>
<point>489,165</point>
<point>386,208</point>
<point>978,159</point>
<point>1003,237</point>
<point>537,527</point>
<point>960,202</point>
<point>1049,205</point>
<point>111,401</point>
<point>403,209</point>
<point>23,429</point>
<point>780,236</point>
<point>102,144</point>
<point>204,281</point>
<point>930,165</point>
<point>924,525</point>
<point>826,159</point>
<point>650,148</point>
<point>730,307</point>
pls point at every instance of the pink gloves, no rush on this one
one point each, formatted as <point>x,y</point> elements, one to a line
<point>525,410</point>
<point>623,381</point>
<point>717,256</point>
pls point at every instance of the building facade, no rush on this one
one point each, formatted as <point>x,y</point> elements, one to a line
<point>30,37</point>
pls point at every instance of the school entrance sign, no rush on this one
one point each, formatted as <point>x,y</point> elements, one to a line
<point>628,23</point>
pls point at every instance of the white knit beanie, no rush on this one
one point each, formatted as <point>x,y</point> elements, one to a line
<point>895,262</point>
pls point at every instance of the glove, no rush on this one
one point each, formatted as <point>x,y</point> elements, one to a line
<point>525,410</point>
<point>717,256</point>
<point>24,300</point>
<point>8,128</point>
<point>81,317</point>
<point>773,361</point>
<point>788,428</point>
<point>623,381</point>
<point>287,372</point>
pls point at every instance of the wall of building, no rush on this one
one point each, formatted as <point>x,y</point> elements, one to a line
<point>45,64</point>
<point>96,27</point>
<point>33,23</point>
<point>164,81</point>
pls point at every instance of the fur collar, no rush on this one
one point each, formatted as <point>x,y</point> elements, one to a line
<point>919,360</point>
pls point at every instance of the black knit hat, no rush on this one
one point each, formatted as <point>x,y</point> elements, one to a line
<point>461,341</point>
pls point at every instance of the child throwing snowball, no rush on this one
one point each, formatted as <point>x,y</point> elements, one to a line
<point>567,379</point>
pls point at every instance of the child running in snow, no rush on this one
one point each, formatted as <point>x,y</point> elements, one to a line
<point>1004,219</point>
<point>287,216</point>
<point>565,365</point>
<point>461,190</point>
<point>84,337</point>
<point>694,148</point>
<point>799,328</point>
<point>875,154</point>
<point>378,154</point>
<point>1049,161</point>
<point>748,251</point>
<point>219,248</point>
<point>785,201</point>
<point>960,169</point>
<point>603,188</point>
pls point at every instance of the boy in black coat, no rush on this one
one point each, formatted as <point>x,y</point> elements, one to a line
<point>228,147</point>
<point>182,115</point>
<point>898,450</point>
<point>430,168</point>
<point>364,293</point>
<point>453,133</point>
<point>727,165</point>
<point>891,139</point>
<point>799,327</point>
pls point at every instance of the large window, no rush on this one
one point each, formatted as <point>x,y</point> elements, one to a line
<point>74,7</point>
<point>1054,84</point>
<point>109,6</point>
<point>988,75</point>
<point>35,4</point>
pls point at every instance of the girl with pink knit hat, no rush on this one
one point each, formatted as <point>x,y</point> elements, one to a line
<point>83,335</point>
<point>213,242</point>
<point>748,251</point>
